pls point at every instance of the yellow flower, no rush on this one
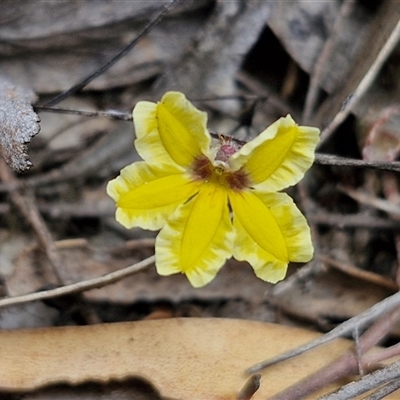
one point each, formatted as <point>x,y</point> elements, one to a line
<point>214,203</point>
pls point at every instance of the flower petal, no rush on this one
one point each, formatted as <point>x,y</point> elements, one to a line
<point>197,239</point>
<point>270,231</point>
<point>171,131</point>
<point>279,156</point>
<point>147,196</point>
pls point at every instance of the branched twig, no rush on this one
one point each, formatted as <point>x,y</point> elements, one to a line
<point>346,364</point>
<point>359,321</point>
<point>322,159</point>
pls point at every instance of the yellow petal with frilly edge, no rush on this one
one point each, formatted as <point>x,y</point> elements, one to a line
<point>197,239</point>
<point>171,131</point>
<point>279,156</point>
<point>269,231</point>
<point>147,196</point>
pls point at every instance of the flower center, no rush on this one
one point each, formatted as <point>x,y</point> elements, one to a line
<point>203,169</point>
<point>224,152</point>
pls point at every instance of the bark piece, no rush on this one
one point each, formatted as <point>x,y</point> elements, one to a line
<point>18,125</point>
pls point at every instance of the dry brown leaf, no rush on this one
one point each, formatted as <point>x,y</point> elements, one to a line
<point>18,124</point>
<point>183,358</point>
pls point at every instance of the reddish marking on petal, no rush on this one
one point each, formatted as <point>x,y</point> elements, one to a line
<point>238,180</point>
<point>202,168</point>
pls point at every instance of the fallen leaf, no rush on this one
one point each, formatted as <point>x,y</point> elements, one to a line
<point>18,124</point>
<point>191,358</point>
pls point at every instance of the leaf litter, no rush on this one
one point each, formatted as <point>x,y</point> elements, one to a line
<point>74,158</point>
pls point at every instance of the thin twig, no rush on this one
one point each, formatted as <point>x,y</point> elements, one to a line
<point>125,116</point>
<point>322,159</point>
<point>368,382</point>
<point>364,85</point>
<point>327,159</point>
<point>111,62</point>
<point>250,387</point>
<point>385,353</point>
<point>358,273</point>
<point>81,286</point>
<point>380,204</point>
<point>321,64</point>
<point>112,114</point>
<point>384,391</point>
<point>28,208</point>
<point>359,351</point>
<point>359,220</point>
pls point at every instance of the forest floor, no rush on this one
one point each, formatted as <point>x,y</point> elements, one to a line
<point>83,313</point>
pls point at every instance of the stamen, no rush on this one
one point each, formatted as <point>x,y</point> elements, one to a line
<point>227,149</point>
